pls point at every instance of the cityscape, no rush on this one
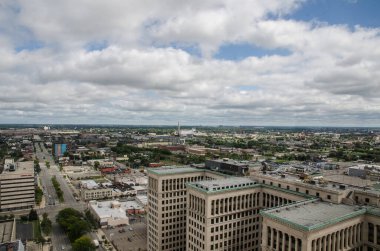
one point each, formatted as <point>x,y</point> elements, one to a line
<point>246,125</point>
<point>127,188</point>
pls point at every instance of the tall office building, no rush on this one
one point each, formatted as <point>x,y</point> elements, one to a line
<point>167,203</point>
<point>224,214</point>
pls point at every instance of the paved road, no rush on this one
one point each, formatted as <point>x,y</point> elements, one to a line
<point>59,238</point>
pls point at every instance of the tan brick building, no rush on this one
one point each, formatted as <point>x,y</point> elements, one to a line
<point>224,214</point>
<point>167,202</point>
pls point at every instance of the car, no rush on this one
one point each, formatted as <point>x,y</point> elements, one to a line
<point>130,229</point>
<point>63,247</point>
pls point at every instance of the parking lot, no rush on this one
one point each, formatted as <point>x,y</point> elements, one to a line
<point>24,231</point>
<point>129,238</point>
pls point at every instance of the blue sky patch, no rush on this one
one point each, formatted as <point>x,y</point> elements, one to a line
<point>31,45</point>
<point>191,49</point>
<point>96,45</point>
<point>247,88</point>
<point>238,52</point>
<point>348,12</point>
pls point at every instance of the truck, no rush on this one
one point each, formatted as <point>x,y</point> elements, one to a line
<point>96,242</point>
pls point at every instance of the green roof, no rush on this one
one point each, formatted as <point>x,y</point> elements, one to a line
<point>173,170</point>
<point>313,215</point>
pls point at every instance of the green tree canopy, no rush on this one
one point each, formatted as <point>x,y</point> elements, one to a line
<point>46,224</point>
<point>73,223</point>
<point>33,215</point>
<point>83,243</point>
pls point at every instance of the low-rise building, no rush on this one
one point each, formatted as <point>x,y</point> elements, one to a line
<point>113,213</point>
<point>8,238</point>
<point>315,225</point>
<point>81,172</point>
<point>228,166</point>
<point>371,172</point>
<point>96,193</point>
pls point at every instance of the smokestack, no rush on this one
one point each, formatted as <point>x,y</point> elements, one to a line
<point>179,130</point>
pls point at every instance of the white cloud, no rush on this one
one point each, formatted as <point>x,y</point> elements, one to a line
<point>330,76</point>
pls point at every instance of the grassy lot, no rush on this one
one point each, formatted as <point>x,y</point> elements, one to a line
<point>36,230</point>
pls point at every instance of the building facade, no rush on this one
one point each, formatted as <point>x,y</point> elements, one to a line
<point>224,214</point>
<point>17,187</point>
<point>96,193</point>
<point>195,210</point>
<point>167,202</point>
<point>317,226</point>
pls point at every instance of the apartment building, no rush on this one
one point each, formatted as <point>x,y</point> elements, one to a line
<point>17,187</point>
<point>167,201</point>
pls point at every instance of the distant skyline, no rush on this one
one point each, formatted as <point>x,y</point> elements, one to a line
<point>223,62</point>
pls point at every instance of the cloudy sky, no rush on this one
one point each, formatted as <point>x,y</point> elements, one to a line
<point>216,62</point>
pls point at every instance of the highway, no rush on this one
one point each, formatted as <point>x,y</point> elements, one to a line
<point>58,237</point>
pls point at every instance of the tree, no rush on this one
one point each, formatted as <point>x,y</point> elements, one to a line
<point>37,168</point>
<point>96,165</point>
<point>38,195</point>
<point>77,229</point>
<point>83,243</point>
<point>90,218</point>
<point>73,223</point>
<point>46,224</point>
<point>33,215</point>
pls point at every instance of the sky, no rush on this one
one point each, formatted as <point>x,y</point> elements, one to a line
<point>217,62</point>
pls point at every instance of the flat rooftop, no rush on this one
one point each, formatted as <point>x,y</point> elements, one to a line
<point>296,179</point>
<point>349,180</point>
<point>223,184</point>
<point>26,167</point>
<point>313,214</point>
<point>6,229</point>
<point>231,162</point>
<point>105,209</point>
<point>173,170</point>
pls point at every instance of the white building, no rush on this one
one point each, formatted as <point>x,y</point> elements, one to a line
<point>109,213</point>
<point>89,184</point>
<point>113,213</point>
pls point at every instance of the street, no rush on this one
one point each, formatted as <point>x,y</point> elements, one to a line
<point>59,239</point>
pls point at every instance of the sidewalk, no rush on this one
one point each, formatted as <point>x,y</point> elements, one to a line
<point>99,233</point>
<point>43,201</point>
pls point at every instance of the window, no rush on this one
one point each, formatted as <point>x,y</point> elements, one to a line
<point>329,197</point>
<point>370,232</point>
